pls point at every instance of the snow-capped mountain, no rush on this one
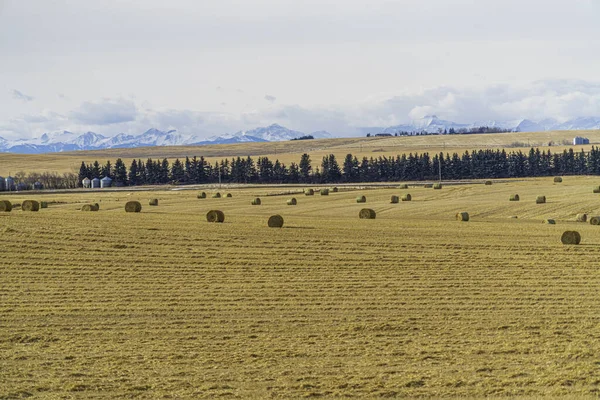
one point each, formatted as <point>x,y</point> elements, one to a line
<point>61,141</point>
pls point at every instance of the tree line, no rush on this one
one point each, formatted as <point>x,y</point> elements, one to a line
<point>412,167</point>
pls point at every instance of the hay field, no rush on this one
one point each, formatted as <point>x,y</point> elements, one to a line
<point>162,304</point>
<point>288,152</point>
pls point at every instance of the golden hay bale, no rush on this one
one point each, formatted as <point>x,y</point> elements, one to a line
<point>89,207</point>
<point>324,192</point>
<point>514,197</point>
<point>43,204</point>
<point>557,179</point>
<point>428,185</point>
<point>367,213</point>
<point>462,216</point>
<point>97,205</point>
<point>229,195</point>
<point>394,199</point>
<point>540,200</point>
<point>488,183</point>
<point>216,195</point>
<point>133,206</point>
<point>595,221</point>
<point>581,217</point>
<point>215,216</point>
<point>570,237</point>
<point>407,197</point>
<point>596,189</point>
<point>549,221</point>
<point>403,186</point>
<point>5,206</point>
<point>334,189</point>
<point>292,202</point>
<point>275,221</point>
<point>437,186</point>
<point>153,202</point>
<point>202,195</point>
<point>30,205</point>
<point>309,192</point>
<point>361,199</point>
<point>256,201</point>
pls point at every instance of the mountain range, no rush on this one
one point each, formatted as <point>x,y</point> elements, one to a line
<point>68,141</point>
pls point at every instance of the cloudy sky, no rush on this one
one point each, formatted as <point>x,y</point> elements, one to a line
<point>214,66</point>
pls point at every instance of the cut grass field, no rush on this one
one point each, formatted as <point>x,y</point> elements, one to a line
<point>288,152</point>
<point>414,303</point>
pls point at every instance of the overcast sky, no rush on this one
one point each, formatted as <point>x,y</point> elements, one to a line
<point>207,67</point>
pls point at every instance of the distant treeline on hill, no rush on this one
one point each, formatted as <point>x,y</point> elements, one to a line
<point>412,167</point>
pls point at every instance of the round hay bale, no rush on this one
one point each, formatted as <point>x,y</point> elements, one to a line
<point>514,197</point>
<point>557,179</point>
<point>540,200</point>
<point>403,186</point>
<point>43,204</point>
<point>367,213</point>
<point>428,185</point>
<point>570,237</point>
<point>133,206</point>
<point>292,202</point>
<point>596,189</point>
<point>324,192</point>
<point>549,221</point>
<point>216,195</point>
<point>488,183</point>
<point>89,207</point>
<point>153,202</point>
<point>97,205</point>
<point>437,186</point>
<point>462,216</point>
<point>215,216</point>
<point>202,195</point>
<point>229,195</point>
<point>334,189</point>
<point>361,199</point>
<point>5,206</point>
<point>309,192</point>
<point>394,199</point>
<point>407,197</point>
<point>514,216</point>
<point>595,221</point>
<point>256,201</point>
<point>581,217</point>
<point>275,221</point>
<point>30,205</point>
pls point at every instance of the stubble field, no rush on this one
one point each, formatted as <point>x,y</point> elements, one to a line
<point>162,304</point>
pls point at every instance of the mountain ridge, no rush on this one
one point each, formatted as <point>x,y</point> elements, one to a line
<point>61,141</point>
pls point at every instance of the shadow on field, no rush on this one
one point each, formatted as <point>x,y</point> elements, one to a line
<point>299,227</point>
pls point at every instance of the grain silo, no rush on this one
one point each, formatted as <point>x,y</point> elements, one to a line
<point>9,184</point>
<point>87,183</point>
<point>105,182</point>
<point>95,183</point>
<point>2,187</point>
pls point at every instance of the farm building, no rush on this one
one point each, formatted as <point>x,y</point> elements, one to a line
<point>22,186</point>
<point>105,182</point>
<point>95,183</point>
<point>87,183</point>
<point>580,140</point>
<point>1,184</point>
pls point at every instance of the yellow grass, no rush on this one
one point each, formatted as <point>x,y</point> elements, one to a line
<point>288,152</point>
<point>412,304</point>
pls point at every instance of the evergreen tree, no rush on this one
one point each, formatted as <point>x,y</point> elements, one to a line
<point>305,168</point>
<point>95,170</point>
<point>120,172</point>
<point>83,173</point>
<point>107,170</point>
<point>177,172</point>
<point>133,173</point>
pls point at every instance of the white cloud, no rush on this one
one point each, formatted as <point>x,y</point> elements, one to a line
<point>105,112</point>
<point>18,95</point>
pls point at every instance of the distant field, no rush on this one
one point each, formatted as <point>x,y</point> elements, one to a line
<point>411,304</point>
<point>291,151</point>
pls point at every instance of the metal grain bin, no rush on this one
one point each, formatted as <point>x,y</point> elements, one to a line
<point>105,182</point>
<point>95,183</point>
